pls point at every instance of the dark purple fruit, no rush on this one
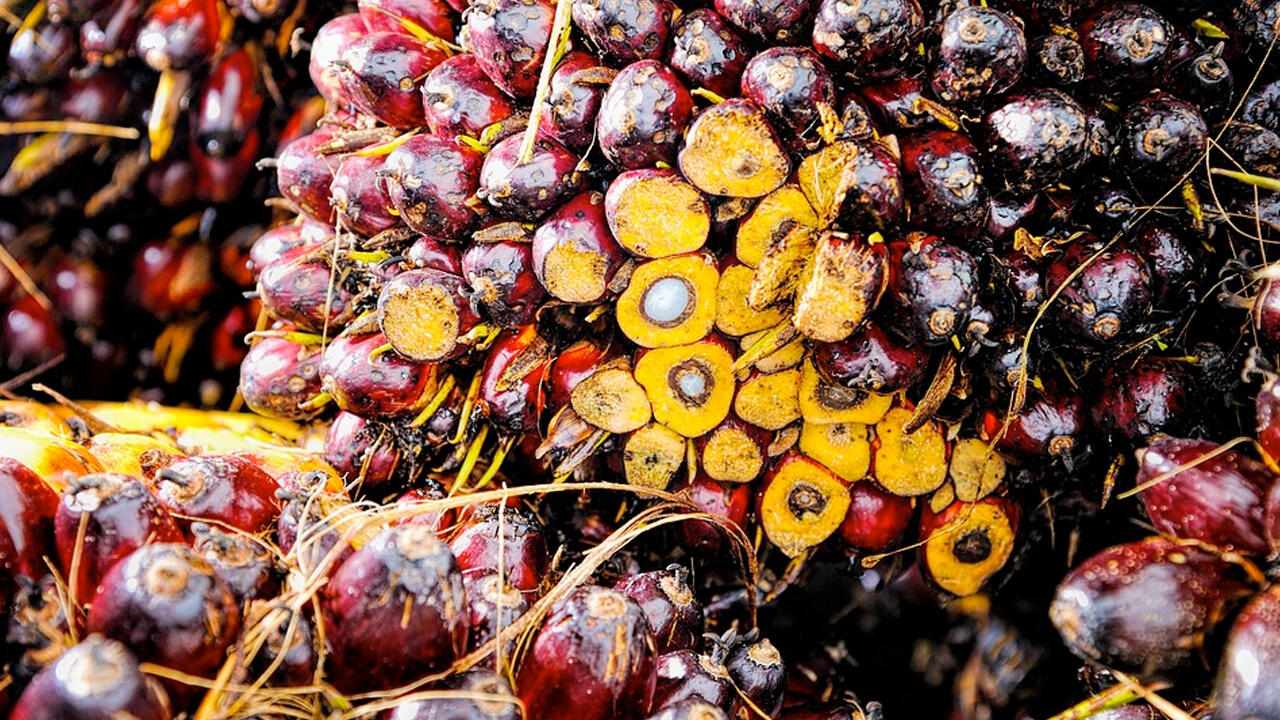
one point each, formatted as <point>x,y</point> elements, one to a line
<point>1038,139</point>
<point>509,39</point>
<point>1245,689</point>
<point>773,21</point>
<point>501,282</point>
<point>1055,60</point>
<point>459,99</point>
<point>496,538</point>
<point>1145,607</point>
<point>643,116</point>
<point>1107,302</point>
<point>759,674</point>
<point>330,42</point>
<point>1127,46</point>
<point>1207,81</point>
<point>98,679</point>
<point>932,286</point>
<point>358,193</point>
<point>683,675</point>
<point>381,75</point>
<point>1153,397</point>
<point>870,39</point>
<point>307,293</point>
<point>278,376</point>
<point>707,52</point>
<point>526,191</point>
<point>1052,424</point>
<point>431,180</point>
<point>982,54</point>
<point>493,605</point>
<point>243,563</point>
<point>625,31</point>
<point>1175,260</point>
<point>573,100</point>
<point>789,83</point>
<point>943,180</point>
<point>304,175</point>
<point>1159,138</point>
<point>498,703</point>
<point>691,709</point>
<point>673,612</point>
<point>222,488</point>
<point>872,360</point>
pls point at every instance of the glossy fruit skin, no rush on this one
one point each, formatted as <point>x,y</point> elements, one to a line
<point>517,538</point>
<point>123,515</point>
<point>932,286</point>
<point>509,39</point>
<point>982,54</point>
<point>1127,46</point>
<point>625,31</point>
<point>707,52</point>
<point>484,682</point>
<point>303,175</point>
<point>27,510</point>
<point>359,195</point>
<point>1055,60</point>
<point>165,603</point>
<point>686,674</point>
<point>1145,607</point>
<point>431,253</point>
<point>404,566</point>
<point>611,675</point>
<point>243,564</point>
<point>1039,137</point>
<point>429,181</point>
<point>672,610</point>
<point>870,40</point>
<point>178,34</point>
<point>494,606</point>
<point>691,709</point>
<point>759,673</point>
<point>330,42</point>
<point>1175,260</point>
<point>1240,692</point>
<point>578,227</point>
<point>501,283</point>
<point>306,293</point>
<point>729,501</point>
<point>1159,138</point>
<point>1154,397</point>
<point>569,116</point>
<point>894,103</point>
<point>434,16</point>
<point>643,115</point>
<point>1107,302</point>
<point>527,191</point>
<point>366,450</point>
<point>297,660</point>
<point>277,376</point>
<point>512,394</point>
<point>789,82</point>
<point>1207,81</point>
<point>1218,501</point>
<point>381,75</point>
<point>225,488</point>
<point>384,386</point>
<point>943,182</point>
<point>102,97</point>
<point>441,521</point>
<point>571,366</point>
<point>97,679</point>
<point>1267,414</point>
<point>30,335</point>
<point>459,99</point>
<point>872,360</point>
<point>876,518</point>
<point>229,104</point>
<point>1051,424</point>
<point>777,21</point>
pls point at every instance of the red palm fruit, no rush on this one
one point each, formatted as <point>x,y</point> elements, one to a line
<point>526,191</point>
<point>982,53</point>
<point>259,11</point>
<point>381,73</point>
<point>789,83</point>
<point>512,381</point>
<point>493,605</point>
<point>434,16</point>
<point>707,52</point>
<point>425,315</point>
<point>395,610</point>
<point>293,644</point>
<point>226,112</point>
<point>571,366</point>
<point>365,450</point>
<point>509,39</point>
<point>359,195</point>
<point>943,180</point>
<point>27,509</point>
<point>60,11</point>
<point>625,31</point>
<point>1267,412</point>
<point>1106,302</point>
<point>498,703</point>
<point>304,174</point>
<point>1038,138</point>
<point>673,611</point>
<point>219,180</point>
<point>222,488</point>
<point>967,544</point>
<point>1160,137</point>
<point>1241,691</point>
<point>1219,500</point>
<point>872,360</point>
<point>692,709</point>
<point>430,181</point>
<point>574,254</point>
<point>167,605</point>
<point>308,514</point>
<point>171,278</point>
<point>459,99</point>
<point>102,97</point>
<point>172,181</point>
<point>643,116</point>
<point>178,34</point>
<point>685,674</point>
<point>800,503</point>
<point>106,36</point>
<point>119,514</point>
<point>774,22</point>
<point>330,42</point>
<point>1175,260</point>
<point>306,292</point>
<point>502,283</point>
<point>612,673</point>
<point>758,675</point>
<point>372,385</point>
<point>29,335</point>
<point>870,40</point>
<point>243,563</point>
<point>729,501</point>
<point>862,181</point>
<point>441,521</point>
<point>1149,399</point>
<point>278,376</point>
<point>1265,312</point>
<point>503,539</point>
<point>932,286</point>
<point>1126,46</point>
<point>97,679</point>
<point>1052,424</point>
<point>899,103</point>
<point>434,254</point>
<point>876,518</point>
<point>1145,607</point>
<point>573,100</point>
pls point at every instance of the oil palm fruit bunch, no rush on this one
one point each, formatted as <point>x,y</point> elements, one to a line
<point>128,138</point>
